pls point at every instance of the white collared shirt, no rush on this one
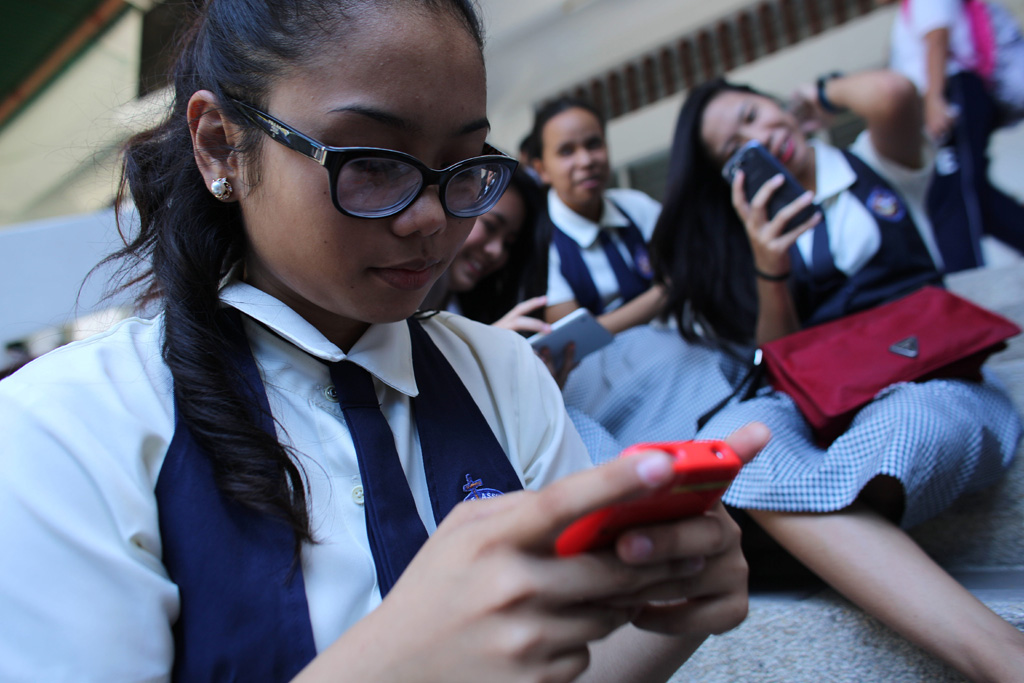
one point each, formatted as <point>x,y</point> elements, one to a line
<point>83,593</point>
<point>907,52</point>
<point>852,230</point>
<point>641,208</point>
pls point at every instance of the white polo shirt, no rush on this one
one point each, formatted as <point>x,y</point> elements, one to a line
<point>641,208</point>
<point>83,593</point>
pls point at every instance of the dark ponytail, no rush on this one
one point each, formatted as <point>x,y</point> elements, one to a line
<point>699,248</point>
<point>187,241</point>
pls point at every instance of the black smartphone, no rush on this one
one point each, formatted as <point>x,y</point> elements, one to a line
<point>759,166</point>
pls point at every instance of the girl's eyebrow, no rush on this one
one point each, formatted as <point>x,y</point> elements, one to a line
<point>403,124</point>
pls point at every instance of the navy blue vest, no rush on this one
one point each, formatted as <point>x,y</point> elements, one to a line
<point>244,615</point>
<point>901,265</point>
<point>631,284</point>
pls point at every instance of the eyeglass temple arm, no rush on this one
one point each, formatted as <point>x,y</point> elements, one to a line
<point>283,133</point>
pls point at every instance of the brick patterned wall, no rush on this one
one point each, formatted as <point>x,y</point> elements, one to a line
<point>712,50</point>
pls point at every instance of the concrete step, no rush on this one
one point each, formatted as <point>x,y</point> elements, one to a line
<point>819,637</point>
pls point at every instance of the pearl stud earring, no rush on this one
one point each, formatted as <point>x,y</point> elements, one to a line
<point>221,189</point>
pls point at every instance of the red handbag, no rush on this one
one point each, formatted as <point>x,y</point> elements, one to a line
<point>834,369</point>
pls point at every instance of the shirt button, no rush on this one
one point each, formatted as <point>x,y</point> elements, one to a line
<point>357,495</point>
<point>331,394</point>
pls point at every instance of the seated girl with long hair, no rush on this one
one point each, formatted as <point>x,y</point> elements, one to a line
<point>737,278</point>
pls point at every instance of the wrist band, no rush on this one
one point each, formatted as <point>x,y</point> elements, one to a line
<point>823,100</point>
<point>782,277</point>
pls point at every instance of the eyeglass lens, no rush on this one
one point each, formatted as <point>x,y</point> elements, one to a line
<point>373,187</point>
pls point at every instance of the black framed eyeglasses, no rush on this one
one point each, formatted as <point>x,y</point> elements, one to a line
<point>368,182</point>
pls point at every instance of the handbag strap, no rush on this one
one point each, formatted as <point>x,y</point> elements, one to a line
<point>745,388</point>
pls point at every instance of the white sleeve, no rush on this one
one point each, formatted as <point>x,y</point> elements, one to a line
<point>83,593</point>
<point>559,290</point>
<point>548,436</point>
<point>929,15</point>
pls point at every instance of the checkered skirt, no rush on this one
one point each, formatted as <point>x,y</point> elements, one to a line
<point>647,385</point>
<point>941,439</point>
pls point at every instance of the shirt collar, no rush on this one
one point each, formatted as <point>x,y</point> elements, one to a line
<point>833,173</point>
<point>384,350</point>
<point>583,230</point>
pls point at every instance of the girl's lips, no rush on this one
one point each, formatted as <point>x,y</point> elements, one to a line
<point>786,151</point>
<point>409,277</point>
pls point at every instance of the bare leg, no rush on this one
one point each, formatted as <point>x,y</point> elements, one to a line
<point>877,566</point>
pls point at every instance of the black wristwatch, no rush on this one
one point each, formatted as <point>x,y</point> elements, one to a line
<point>825,103</point>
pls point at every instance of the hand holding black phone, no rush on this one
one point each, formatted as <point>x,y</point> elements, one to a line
<point>759,166</point>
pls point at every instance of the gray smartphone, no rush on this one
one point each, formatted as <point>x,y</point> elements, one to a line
<point>759,166</point>
<point>579,327</point>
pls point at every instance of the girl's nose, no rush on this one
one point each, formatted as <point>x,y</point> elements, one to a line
<point>425,215</point>
<point>495,248</point>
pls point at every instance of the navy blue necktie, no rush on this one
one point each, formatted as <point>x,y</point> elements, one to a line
<point>823,265</point>
<point>395,529</point>
<point>631,284</point>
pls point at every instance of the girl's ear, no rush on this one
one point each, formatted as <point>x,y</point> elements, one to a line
<point>538,166</point>
<point>213,138</point>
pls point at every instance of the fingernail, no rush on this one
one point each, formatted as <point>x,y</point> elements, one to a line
<point>654,470</point>
<point>636,547</point>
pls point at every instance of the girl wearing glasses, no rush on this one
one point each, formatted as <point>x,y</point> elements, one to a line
<point>255,484</point>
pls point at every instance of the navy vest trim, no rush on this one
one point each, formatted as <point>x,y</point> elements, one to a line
<point>244,615</point>
<point>576,273</point>
<point>212,546</point>
<point>452,465</point>
<point>901,265</point>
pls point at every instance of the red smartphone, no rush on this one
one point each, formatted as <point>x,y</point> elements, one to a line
<point>759,166</point>
<point>704,470</point>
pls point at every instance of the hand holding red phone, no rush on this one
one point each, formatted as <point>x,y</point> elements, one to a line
<point>703,589</point>
<point>703,471</point>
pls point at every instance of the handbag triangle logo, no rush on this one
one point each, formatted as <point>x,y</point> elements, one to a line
<point>905,347</point>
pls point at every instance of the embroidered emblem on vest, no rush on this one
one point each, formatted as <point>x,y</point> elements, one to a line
<point>643,265</point>
<point>906,347</point>
<point>473,488</point>
<point>885,204</point>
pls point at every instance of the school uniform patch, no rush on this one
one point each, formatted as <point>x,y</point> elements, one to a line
<point>643,264</point>
<point>476,490</point>
<point>884,203</point>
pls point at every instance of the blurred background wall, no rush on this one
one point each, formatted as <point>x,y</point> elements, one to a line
<point>78,76</point>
